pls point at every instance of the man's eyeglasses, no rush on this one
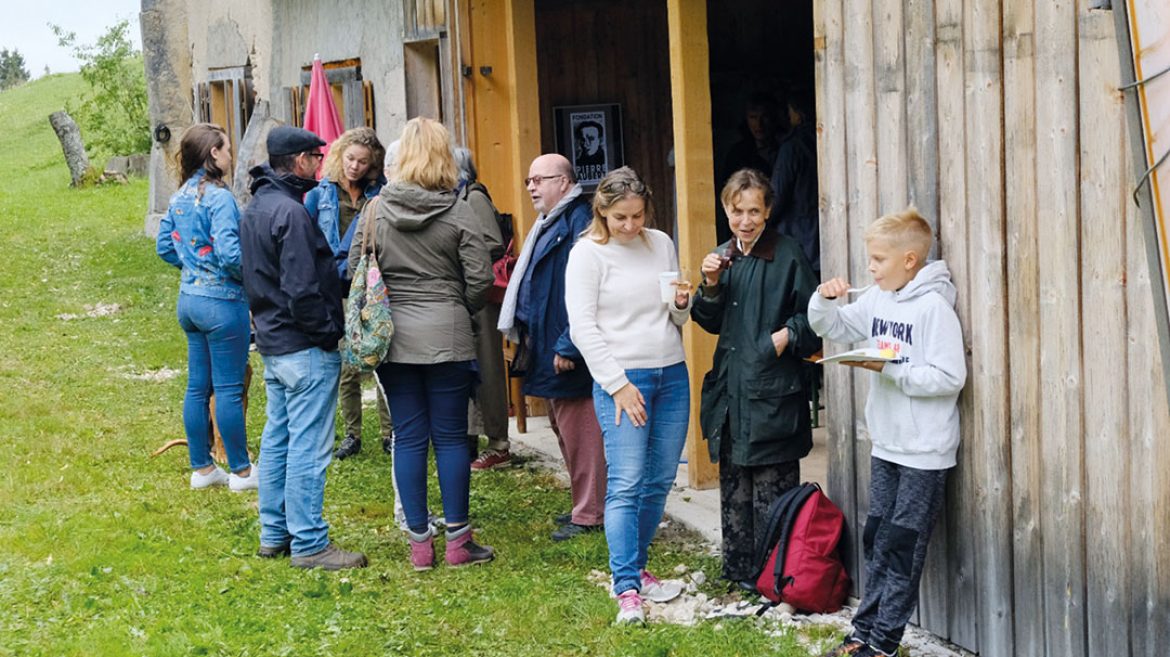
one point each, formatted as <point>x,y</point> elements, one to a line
<point>312,154</point>
<point>538,180</point>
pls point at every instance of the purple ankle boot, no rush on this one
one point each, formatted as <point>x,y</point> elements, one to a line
<point>422,549</point>
<point>462,551</point>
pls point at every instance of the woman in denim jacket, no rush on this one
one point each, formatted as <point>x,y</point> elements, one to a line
<point>353,176</point>
<point>200,235</point>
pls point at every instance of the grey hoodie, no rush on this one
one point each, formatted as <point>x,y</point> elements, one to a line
<point>437,271</point>
<point>912,411</point>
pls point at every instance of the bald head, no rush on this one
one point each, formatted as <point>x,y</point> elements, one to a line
<point>549,178</point>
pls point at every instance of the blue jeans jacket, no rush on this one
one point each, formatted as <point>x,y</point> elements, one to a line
<point>323,207</point>
<point>200,234</point>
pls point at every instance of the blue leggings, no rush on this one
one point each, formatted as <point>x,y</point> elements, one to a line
<point>429,406</point>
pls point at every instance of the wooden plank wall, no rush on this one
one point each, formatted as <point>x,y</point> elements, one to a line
<point>1001,121</point>
<point>586,55</point>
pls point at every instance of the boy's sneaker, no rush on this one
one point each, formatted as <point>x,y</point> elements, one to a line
<point>462,551</point>
<point>331,558</point>
<point>217,477</point>
<point>239,484</point>
<point>349,446</point>
<point>850,647</point>
<point>630,608</point>
<point>491,459</point>
<point>656,590</point>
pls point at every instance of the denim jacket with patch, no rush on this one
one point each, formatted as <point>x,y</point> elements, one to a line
<point>200,234</point>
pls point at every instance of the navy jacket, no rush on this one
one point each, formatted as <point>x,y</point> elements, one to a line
<point>289,271</point>
<point>548,322</point>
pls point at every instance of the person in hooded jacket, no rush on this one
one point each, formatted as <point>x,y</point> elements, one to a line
<point>352,176</point>
<point>437,270</point>
<point>754,407</point>
<point>912,413</point>
<point>291,280</point>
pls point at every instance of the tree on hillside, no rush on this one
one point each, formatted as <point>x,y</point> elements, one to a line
<point>12,70</point>
<point>114,116</point>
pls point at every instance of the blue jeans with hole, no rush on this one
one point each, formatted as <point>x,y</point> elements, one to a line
<point>641,463</point>
<point>429,407</point>
<point>217,358</point>
<point>296,448</point>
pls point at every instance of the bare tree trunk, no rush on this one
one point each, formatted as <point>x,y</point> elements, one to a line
<point>70,136</point>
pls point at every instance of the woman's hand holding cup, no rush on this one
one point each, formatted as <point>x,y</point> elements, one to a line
<point>712,265</point>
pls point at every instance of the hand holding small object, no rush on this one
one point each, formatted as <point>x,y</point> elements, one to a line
<point>712,265</point>
<point>872,365</point>
<point>833,288</point>
<point>682,294</point>
<point>629,399</point>
<point>562,364</point>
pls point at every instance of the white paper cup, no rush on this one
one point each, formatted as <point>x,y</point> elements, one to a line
<point>666,285</point>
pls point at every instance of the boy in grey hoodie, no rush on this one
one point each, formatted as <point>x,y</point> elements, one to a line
<point>912,414</point>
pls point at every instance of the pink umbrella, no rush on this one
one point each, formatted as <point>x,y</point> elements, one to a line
<point>321,114</point>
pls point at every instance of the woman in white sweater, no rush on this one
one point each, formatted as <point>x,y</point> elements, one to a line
<point>632,342</point>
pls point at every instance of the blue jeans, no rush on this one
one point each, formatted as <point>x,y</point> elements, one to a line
<point>429,406</point>
<point>296,447</point>
<point>217,357</point>
<point>641,466</point>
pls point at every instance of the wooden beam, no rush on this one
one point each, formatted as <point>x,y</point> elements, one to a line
<point>690,89</point>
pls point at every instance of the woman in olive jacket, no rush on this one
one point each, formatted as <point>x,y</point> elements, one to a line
<point>754,409</point>
<point>431,252</point>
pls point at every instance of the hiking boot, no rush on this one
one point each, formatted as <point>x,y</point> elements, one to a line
<point>388,444</point>
<point>274,551</point>
<point>331,558</point>
<point>349,446</point>
<point>630,608</point>
<point>656,590</point>
<point>491,459</point>
<point>563,519</point>
<point>572,529</point>
<point>462,551</point>
<point>850,647</point>
<point>217,477</point>
<point>239,484</point>
<point>422,549</point>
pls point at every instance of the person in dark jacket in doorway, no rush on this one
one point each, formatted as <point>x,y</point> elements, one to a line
<point>533,315</point>
<point>794,183</point>
<point>290,277</point>
<point>754,408</point>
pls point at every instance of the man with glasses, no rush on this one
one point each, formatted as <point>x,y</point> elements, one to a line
<point>294,292</point>
<point>533,316</point>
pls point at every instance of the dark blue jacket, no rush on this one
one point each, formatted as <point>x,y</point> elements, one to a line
<point>548,322</point>
<point>289,272</point>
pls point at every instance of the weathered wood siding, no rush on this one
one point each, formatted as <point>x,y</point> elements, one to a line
<point>1001,121</point>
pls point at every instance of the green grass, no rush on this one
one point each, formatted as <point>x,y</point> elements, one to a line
<point>104,551</point>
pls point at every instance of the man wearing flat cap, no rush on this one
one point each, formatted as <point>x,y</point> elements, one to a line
<point>295,295</point>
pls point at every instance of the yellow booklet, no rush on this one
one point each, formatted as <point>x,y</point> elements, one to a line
<point>863,354</point>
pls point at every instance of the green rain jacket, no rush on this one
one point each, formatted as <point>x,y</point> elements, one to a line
<point>751,396</point>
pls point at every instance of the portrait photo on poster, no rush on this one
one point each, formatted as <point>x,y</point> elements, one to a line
<point>590,136</point>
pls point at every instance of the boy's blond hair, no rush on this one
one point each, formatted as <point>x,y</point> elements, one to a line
<point>906,229</point>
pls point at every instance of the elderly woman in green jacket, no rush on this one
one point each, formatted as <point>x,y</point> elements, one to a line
<point>755,402</point>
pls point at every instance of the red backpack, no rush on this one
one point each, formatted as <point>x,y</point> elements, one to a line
<point>798,560</point>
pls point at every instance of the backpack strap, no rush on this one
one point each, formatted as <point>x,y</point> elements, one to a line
<point>803,492</point>
<point>776,518</point>
<point>369,229</point>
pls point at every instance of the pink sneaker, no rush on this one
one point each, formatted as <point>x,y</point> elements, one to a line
<point>422,549</point>
<point>462,551</point>
<point>656,590</point>
<point>630,608</point>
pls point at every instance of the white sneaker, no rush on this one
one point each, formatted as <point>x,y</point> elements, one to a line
<point>217,477</point>
<point>656,590</point>
<point>630,608</point>
<point>239,484</point>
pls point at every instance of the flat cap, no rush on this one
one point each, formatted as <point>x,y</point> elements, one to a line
<point>287,140</point>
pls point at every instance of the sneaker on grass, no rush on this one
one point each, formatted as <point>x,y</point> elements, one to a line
<point>630,608</point>
<point>348,446</point>
<point>491,459</point>
<point>217,477</point>
<point>656,590</point>
<point>239,484</point>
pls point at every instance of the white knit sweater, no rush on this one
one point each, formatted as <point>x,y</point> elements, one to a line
<point>617,318</point>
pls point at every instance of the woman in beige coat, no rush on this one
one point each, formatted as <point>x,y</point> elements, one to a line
<point>437,271</point>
